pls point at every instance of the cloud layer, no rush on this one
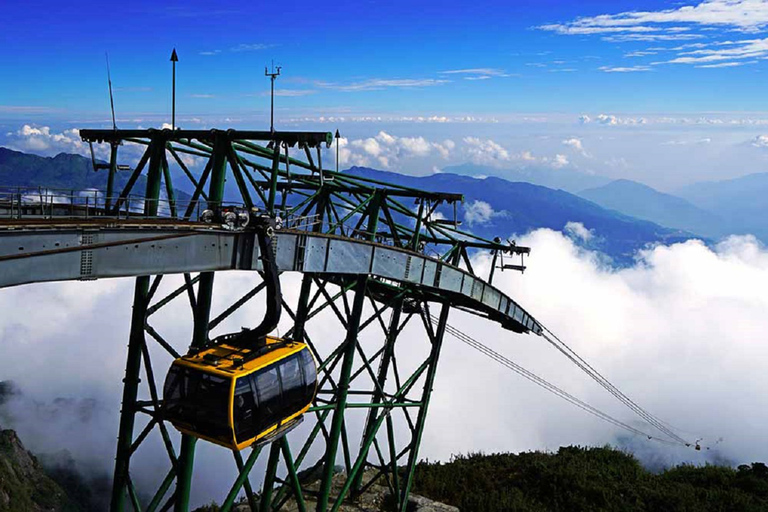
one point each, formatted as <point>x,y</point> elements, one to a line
<point>680,333</point>
<point>708,21</point>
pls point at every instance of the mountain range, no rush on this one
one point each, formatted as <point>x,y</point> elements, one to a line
<point>571,180</point>
<point>641,201</point>
<point>621,216</point>
<point>517,208</point>
<point>742,203</point>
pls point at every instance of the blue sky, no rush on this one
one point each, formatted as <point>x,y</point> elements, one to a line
<point>369,57</point>
<point>513,73</point>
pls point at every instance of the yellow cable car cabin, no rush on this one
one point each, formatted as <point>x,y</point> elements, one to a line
<point>235,396</point>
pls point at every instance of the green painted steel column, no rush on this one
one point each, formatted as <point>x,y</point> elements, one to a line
<point>434,356</point>
<point>265,503</point>
<point>273,179</point>
<point>135,342</point>
<point>373,213</point>
<point>130,391</point>
<point>417,230</point>
<point>386,358</point>
<point>353,328</point>
<point>202,315</point>
<point>111,176</point>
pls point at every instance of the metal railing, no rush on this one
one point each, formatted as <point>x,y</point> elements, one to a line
<point>17,203</point>
<point>42,203</point>
<point>51,203</point>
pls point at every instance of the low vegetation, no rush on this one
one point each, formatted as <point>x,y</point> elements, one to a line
<point>588,479</point>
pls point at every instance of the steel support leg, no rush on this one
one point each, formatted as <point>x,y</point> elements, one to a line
<point>386,357</point>
<point>437,343</point>
<point>353,326</point>
<point>130,391</point>
<point>135,343</point>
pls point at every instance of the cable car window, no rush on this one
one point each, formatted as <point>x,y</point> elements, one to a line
<point>310,373</point>
<point>293,383</point>
<point>244,406</point>
<point>267,384</point>
<point>172,390</point>
<point>200,400</point>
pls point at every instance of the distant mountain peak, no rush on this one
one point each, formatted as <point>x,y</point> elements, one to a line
<point>571,180</point>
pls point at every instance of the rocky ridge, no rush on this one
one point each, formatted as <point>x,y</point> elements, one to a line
<point>24,486</point>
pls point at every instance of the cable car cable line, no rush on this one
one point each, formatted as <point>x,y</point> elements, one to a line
<point>605,383</point>
<point>492,354</point>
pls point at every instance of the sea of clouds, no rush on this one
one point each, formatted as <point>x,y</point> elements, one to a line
<point>681,332</point>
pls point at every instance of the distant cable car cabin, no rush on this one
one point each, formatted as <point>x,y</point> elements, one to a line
<point>235,396</point>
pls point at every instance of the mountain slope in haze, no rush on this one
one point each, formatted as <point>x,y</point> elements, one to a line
<point>742,203</point>
<point>518,208</point>
<point>24,485</point>
<point>643,202</point>
<point>64,171</point>
<point>567,179</point>
<point>67,172</point>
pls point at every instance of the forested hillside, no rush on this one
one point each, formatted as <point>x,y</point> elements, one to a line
<point>588,479</point>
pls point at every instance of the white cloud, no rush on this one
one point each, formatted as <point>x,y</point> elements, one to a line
<point>478,73</point>
<point>559,161</point>
<point>710,120</point>
<point>486,151</point>
<point>292,93</point>
<point>685,142</point>
<point>728,64</point>
<point>377,84</point>
<point>612,120</point>
<point>629,38</point>
<point>385,150</point>
<point>761,141</point>
<point>40,139</point>
<point>623,69</point>
<point>378,119</point>
<point>480,212</point>
<point>578,231</point>
<point>746,15</point>
<point>687,349</point>
<point>576,144</point>
<point>489,152</point>
<point>727,51</point>
<point>251,47</point>
<point>686,22</point>
<point>640,53</point>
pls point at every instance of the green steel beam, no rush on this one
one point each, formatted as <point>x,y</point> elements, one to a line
<point>293,475</point>
<point>136,342</point>
<point>247,484</point>
<point>130,392</point>
<point>111,175</point>
<point>341,399</point>
<point>437,344</point>
<point>240,481</point>
<point>269,479</point>
<point>389,349</point>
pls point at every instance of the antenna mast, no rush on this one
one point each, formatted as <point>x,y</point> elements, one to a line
<point>174,59</point>
<point>111,98</point>
<point>272,75</point>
